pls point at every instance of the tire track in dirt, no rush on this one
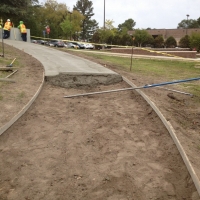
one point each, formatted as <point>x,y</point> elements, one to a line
<point>108,146</point>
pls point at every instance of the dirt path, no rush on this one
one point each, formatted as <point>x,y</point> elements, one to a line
<point>109,146</point>
<point>99,147</point>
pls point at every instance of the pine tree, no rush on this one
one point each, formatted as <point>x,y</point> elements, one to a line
<point>88,25</point>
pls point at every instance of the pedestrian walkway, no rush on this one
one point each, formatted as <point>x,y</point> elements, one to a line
<point>67,70</point>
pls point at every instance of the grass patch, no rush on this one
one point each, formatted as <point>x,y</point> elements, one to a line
<point>171,68</point>
<point>21,95</point>
<point>8,62</point>
<point>194,88</point>
<point>3,74</point>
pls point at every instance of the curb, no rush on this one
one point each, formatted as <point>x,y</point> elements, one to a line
<point>173,135</point>
<point>24,109</point>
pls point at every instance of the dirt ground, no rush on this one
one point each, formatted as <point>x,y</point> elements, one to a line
<point>109,146</point>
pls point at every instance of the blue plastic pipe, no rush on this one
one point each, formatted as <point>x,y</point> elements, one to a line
<point>172,82</point>
<point>134,88</point>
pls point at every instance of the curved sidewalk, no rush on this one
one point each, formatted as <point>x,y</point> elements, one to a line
<point>67,70</point>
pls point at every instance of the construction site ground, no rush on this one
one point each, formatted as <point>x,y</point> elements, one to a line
<point>98,147</point>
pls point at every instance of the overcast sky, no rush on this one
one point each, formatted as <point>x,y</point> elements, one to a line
<point>146,13</point>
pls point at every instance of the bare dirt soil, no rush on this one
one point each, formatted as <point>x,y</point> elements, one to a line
<point>108,146</point>
<point>14,96</point>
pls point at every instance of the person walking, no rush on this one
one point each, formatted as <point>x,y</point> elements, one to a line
<point>6,29</point>
<point>23,31</point>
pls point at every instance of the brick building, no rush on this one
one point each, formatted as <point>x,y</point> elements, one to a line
<point>176,33</point>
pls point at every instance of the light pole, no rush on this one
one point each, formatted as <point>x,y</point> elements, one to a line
<point>1,23</point>
<point>70,25</point>
<point>104,16</point>
<point>187,23</point>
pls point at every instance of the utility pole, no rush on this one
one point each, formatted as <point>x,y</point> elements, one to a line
<point>1,23</point>
<point>133,38</point>
<point>104,16</point>
<point>70,24</point>
<point>187,24</point>
<point>104,27</point>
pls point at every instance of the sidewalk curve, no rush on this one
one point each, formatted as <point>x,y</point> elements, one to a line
<point>67,70</point>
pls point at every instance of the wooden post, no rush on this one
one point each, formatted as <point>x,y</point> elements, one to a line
<point>6,80</point>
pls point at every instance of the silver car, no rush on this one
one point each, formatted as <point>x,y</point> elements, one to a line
<point>71,45</point>
<point>56,43</point>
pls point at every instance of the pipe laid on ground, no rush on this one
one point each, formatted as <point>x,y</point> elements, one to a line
<point>134,88</point>
<point>7,68</point>
<point>175,91</point>
<point>7,80</point>
<point>11,74</point>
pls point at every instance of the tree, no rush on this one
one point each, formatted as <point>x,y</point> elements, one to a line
<point>159,41</point>
<point>76,21</point>
<point>71,26</point>
<point>198,21</point>
<point>96,37</point>
<point>141,36</point>
<point>33,19</point>
<point>86,9</point>
<point>117,39</point>
<point>125,38</point>
<point>183,24</point>
<point>103,36</point>
<point>195,41</point>
<point>184,42</point>
<point>191,23</point>
<point>66,27</point>
<point>109,24</point>
<point>129,24</point>
<point>15,9</point>
<point>170,42</point>
<point>53,14</point>
<point>11,8</point>
<point>92,27</point>
<point>149,42</point>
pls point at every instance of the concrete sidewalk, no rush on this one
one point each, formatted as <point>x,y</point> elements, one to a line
<point>67,70</point>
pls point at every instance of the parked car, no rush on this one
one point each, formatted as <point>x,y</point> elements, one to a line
<point>71,45</point>
<point>56,43</point>
<point>84,45</point>
<point>81,46</point>
<point>34,41</point>
<point>41,42</point>
<point>49,44</point>
<point>89,46</point>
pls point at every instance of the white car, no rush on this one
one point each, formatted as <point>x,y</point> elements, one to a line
<point>89,46</point>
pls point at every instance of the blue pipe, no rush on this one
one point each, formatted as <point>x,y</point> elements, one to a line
<point>132,88</point>
<point>172,82</point>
